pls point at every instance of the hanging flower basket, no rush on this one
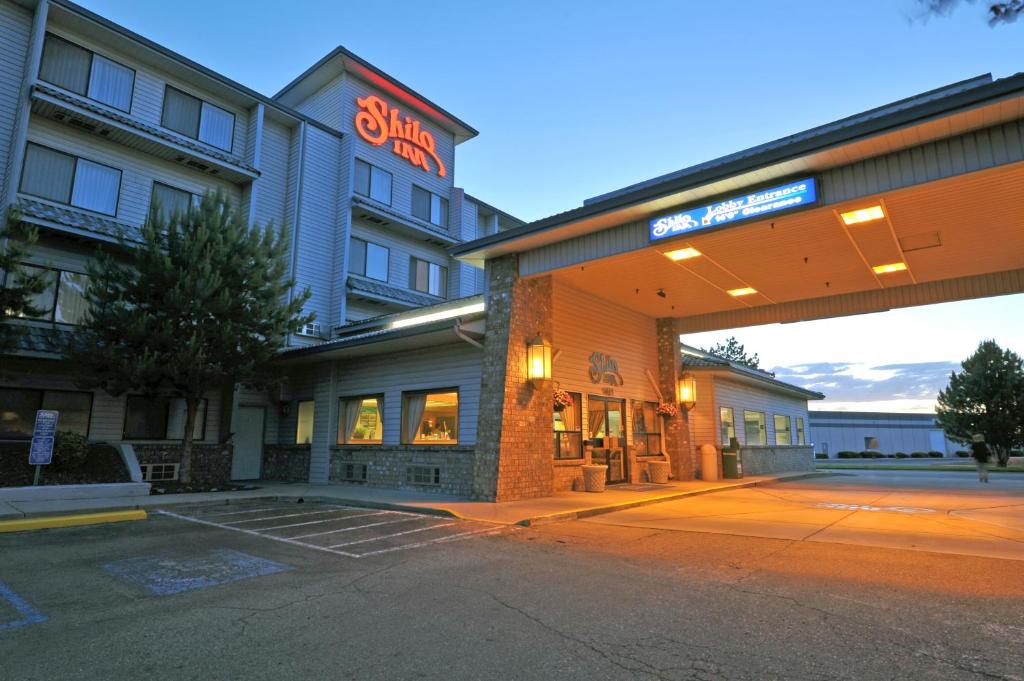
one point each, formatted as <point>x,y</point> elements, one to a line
<point>562,399</point>
<point>667,409</point>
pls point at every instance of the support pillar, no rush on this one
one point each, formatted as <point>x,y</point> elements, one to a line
<point>677,429</point>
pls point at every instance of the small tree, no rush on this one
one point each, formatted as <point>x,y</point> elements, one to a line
<point>734,351</point>
<point>19,287</point>
<point>987,397</point>
<point>998,12</point>
<point>200,303</point>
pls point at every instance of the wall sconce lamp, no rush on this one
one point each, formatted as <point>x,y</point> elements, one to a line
<point>538,361</point>
<point>687,391</point>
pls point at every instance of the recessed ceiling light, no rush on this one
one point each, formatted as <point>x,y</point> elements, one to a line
<point>891,267</point>
<point>683,253</point>
<point>746,291</point>
<point>853,217</point>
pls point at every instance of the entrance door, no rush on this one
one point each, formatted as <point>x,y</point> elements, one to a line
<point>248,444</point>
<point>607,427</point>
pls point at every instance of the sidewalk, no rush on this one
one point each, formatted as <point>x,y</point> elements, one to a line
<point>560,507</point>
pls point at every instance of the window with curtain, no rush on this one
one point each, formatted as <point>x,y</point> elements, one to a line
<point>726,425</point>
<point>783,429</point>
<point>198,119</point>
<point>169,200</point>
<point>83,72</point>
<point>569,430</point>
<point>800,439</point>
<point>430,418</point>
<point>646,429</point>
<point>368,259</point>
<point>429,206</point>
<point>754,428</point>
<point>428,277</point>
<point>160,418</point>
<point>360,420</point>
<point>373,182</point>
<point>304,422</point>
<point>64,178</point>
<point>19,407</point>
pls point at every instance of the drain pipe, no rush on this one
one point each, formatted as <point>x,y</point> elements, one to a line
<point>462,334</point>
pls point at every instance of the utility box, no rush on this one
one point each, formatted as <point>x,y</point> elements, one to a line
<point>731,466</point>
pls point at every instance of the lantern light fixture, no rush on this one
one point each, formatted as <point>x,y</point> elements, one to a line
<point>687,391</point>
<point>538,361</point>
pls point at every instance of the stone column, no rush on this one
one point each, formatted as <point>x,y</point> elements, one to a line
<point>677,429</point>
<point>514,432</point>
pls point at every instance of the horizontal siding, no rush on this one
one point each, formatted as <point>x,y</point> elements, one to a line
<point>402,249</point>
<point>741,396</point>
<point>15,30</point>
<point>275,173</point>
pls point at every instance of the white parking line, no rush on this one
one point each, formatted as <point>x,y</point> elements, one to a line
<point>357,527</point>
<point>277,517</point>
<point>388,536</point>
<point>451,537</point>
<point>250,510</point>
<point>324,520</point>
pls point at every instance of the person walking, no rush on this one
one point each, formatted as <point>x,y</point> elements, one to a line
<point>979,450</point>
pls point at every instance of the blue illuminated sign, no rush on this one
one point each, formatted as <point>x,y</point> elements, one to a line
<point>787,196</point>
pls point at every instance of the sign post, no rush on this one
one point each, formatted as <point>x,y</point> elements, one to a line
<point>40,452</point>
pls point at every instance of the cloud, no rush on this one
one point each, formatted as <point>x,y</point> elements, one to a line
<point>908,383</point>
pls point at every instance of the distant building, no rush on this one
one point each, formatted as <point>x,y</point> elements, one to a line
<point>889,433</point>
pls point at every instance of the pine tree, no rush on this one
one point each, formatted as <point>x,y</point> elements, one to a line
<point>20,286</point>
<point>734,351</point>
<point>987,397</point>
<point>200,303</point>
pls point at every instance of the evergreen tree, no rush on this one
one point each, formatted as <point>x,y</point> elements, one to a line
<point>200,303</point>
<point>734,351</point>
<point>20,286</point>
<point>987,397</point>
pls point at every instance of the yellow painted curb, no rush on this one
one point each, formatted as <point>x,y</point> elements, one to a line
<point>26,524</point>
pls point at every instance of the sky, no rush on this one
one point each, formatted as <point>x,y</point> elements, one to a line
<point>574,99</point>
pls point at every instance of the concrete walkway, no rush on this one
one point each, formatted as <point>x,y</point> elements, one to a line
<point>560,507</point>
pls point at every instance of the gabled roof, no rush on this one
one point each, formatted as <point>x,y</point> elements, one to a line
<point>696,359</point>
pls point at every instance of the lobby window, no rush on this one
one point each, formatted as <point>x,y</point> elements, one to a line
<point>63,300</point>
<point>86,73</point>
<point>569,430</point>
<point>428,277</point>
<point>753,428</point>
<point>198,119</point>
<point>646,429</point>
<point>430,418</point>
<point>67,179</point>
<point>360,420</point>
<point>169,200</point>
<point>368,259</point>
<point>726,425</point>
<point>429,206</point>
<point>304,422</point>
<point>373,182</point>
<point>160,418</point>
<point>800,439</point>
<point>783,429</point>
<point>18,407</point>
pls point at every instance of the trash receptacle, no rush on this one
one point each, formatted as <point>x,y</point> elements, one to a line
<point>708,462</point>
<point>730,465</point>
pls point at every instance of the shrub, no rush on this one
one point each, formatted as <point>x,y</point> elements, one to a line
<point>900,455</point>
<point>889,456</point>
<point>919,455</point>
<point>870,455</point>
<point>936,455</point>
<point>821,455</point>
<point>847,455</point>
<point>962,454</point>
<point>70,450</point>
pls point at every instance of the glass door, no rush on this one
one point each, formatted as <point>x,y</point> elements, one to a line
<point>607,429</point>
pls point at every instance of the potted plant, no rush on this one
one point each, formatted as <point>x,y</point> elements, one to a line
<point>667,410</point>
<point>562,399</point>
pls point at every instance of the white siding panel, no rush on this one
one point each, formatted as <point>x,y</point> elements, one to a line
<point>15,28</point>
<point>741,396</point>
<point>272,185</point>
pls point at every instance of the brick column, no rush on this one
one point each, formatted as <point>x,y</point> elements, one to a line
<point>677,429</point>
<point>514,441</point>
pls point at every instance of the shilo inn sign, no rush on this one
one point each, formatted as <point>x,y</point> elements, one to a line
<point>787,196</point>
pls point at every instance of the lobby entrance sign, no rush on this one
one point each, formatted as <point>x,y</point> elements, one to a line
<point>755,204</point>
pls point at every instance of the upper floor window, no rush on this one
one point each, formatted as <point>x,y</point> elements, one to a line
<point>63,300</point>
<point>783,430</point>
<point>170,200</point>
<point>68,179</point>
<point>373,182</point>
<point>198,119</point>
<point>77,69</point>
<point>368,259</point>
<point>428,278</point>
<point>429,206</point>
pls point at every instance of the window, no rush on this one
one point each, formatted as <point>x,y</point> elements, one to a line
<point>783,430</point>
<point>169,200</point>
<point>800,440</point>
<point>430,418</point>
<point>368,259</point>
<point>373,182</point>
<point>429,206</point>
<point>753,428</point>
<point>160,418</point>
<point>304,422</point>
<point>18,407</point>
<point>423,475</point>
<point>871,442</point>
<point>64,178</point>
<point>726,425</point>
<point>63,300</point>
<point>200,120</point>
<point>83,72</point>
<point>427,277</point>
<point>569,430</point>
<point>360,420</point>
<point>646,429</point>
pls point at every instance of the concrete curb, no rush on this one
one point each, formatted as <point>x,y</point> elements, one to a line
<point>48,522</point>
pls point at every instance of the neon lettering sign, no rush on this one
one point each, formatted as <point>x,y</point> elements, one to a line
<point>378,124</point>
